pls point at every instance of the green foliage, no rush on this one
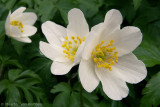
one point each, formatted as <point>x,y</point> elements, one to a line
<point>151,92</point>
<point>25,75</point>
<point>21,83</point>
<point>136,3</point>
<point>71,96</point>
<point>149,53</point>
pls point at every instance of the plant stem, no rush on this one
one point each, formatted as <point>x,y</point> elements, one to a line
<point>1,70</point>
<point>81,99</point>
<point>1,36</point>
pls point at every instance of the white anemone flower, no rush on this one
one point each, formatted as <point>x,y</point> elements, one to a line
<point>19,25</point>
<point>65,44</point>
<point>107,57</point>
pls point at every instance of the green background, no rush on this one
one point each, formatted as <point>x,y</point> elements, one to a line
<point>26,77</point>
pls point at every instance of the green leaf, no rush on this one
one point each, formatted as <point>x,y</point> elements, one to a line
<point>61,100</point>
<point>3,85</point>
<point>64,6</point>
<point>6,60</point>
<point>61,87</point>
<point>136,3</point>
<point>151,92</point>
<point>2,34</point>
<point>13,95</point>
<point>74,100</point>
<point>46,10</point>
<point>22,82</point>
<point>18,46</point>
<point>118,104</point>
<point>149,53</point>
<point>10,4</point>
<point>89,7</point>
<point>13,74</point>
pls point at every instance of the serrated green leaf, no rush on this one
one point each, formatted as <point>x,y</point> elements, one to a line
<point>46,10</point>
<point>13,74</point>
<point>89,7</point>
<point>61,100</point>
<point>13,95</point>
<point>3,85</point>
<point>64,6</point>
<point>151,92</point>
<point>61,87</point>
<point>118,104</point>
<point>136,3</point>
<point>148,53</point>
<point>74,100</point>
<point>25,82</point>
<point>18,46</point>
<point>10,4</point>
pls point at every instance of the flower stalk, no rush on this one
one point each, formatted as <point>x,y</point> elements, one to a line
<point>1,70</point>
<point>81,99</point>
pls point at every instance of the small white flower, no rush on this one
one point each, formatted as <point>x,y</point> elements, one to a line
<point>65,44</point>
<point>19,25</point>
<point>108,57</point>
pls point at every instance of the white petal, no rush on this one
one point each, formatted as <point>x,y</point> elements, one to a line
<point>87,75</point>
<point>77,23</point>
<point>29,30</point>
<point>92,40</point>
<point>27,18</point>
<point>15,32</point>
<point>53,32</point>
<point>7,24</point>
<point>130,68</point>
<point>78,55</point>
<point>127,39</point>
<point>17,12</point>
<point>114,87</point>
<point>113,20</point>
<point>52,52</point>
<point>23,39</point>
<point>61,68</point>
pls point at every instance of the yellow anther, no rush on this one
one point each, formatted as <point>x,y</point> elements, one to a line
<point>66,37</point>
<point>73,37</point>
<point>84,38</point>
<point>70,48</point>
<point>100,59</point>
<point>75,41</point>
<point>102,42</point>
<point>95,60</point>
<point>64,51</point>
<point>22,31</point>
<point>105,56</point>
<point>111,41</point>
<point>110,68</point>
<point>70,42</point>
<point>65,42</point>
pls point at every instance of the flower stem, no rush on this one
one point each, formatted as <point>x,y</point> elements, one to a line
<point>81,99</point>
<point>1,70</point>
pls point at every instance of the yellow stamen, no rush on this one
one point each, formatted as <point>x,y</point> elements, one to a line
<point>18,24</point>
<point>105,56</point>
<point>70,48</point>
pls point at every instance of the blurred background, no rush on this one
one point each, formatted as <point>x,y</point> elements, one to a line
<point>26,79</point>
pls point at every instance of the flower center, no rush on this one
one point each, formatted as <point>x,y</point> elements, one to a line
<point>71,46</point>
<point>105,55</point>
<point>18,24</point>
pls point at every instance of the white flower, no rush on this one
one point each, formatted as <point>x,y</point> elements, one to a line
<point>65,44</point>
<point>19,25</point>
<point>108,57</point>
